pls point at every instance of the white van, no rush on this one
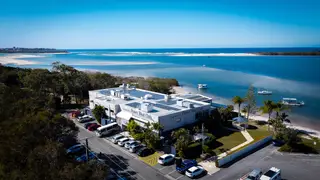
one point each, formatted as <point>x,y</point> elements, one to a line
<point>107,129</point>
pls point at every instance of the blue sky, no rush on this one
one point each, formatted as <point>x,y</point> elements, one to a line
<point>159,23</point>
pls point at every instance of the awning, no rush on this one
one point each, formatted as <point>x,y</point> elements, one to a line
<point>240,120</point>
<point>124,115</point>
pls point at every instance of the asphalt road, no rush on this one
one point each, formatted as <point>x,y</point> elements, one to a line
<point>293,166</point>
<point>124,164</point>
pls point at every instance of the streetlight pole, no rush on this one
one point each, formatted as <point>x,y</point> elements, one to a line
<point>202,130</point>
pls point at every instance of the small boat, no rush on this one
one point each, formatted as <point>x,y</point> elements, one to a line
<point>264,92</point>
<point>204,65</point>
<point>292,102</point>
<point>202,86</point>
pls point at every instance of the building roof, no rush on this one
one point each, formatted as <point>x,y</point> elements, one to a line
<point>134,98</point>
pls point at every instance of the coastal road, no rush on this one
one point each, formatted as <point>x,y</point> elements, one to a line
<point>293,166</point>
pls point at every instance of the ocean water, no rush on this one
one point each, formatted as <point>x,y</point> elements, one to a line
<point>228,72</point>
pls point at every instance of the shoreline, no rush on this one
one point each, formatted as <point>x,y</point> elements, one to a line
<point>16,59</point>
<point>255,117</point>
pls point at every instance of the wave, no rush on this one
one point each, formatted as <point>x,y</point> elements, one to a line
<point>110,63</point>
<point>167,54</point>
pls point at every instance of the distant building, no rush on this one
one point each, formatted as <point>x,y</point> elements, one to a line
<point>171,111</point>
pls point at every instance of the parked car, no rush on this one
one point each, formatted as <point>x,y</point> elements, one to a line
<point>166,159</point>
<point>182,166</point>
<point>85,118</point>
<point>122,141</point>
<point>194,171</point>
<point>253,175</point>
<point>83,157</point>
<point>75,148</point>
<point>130,143</point>
<point>145,152</point>
<point>116,138</point>
<point>86,125</point>
<point>272,174</point>
<point>93,127</point>
<point>135,148</point>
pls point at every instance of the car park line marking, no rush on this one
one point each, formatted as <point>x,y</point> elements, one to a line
<point>163,168</point>
<point>169,177</point>
<point>111,153</point>
<point>179,177</point>
<point>172,171</point>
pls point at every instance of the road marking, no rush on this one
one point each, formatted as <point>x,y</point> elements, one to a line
<point>169,177</point>
<point>129,167</point>
<point>180,177</point>
<point>163,168</point>
<point>172,171</point>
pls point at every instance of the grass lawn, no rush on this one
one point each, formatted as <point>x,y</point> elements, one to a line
<point>228,141</point>
<point>259,133</point>
<point>151,160</point>
<point>310,143</point>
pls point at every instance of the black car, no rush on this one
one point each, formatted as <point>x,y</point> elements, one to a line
<point>145,152</point>
<point>86,125</point>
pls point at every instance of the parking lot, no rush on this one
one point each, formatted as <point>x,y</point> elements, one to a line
<point>168,171</point>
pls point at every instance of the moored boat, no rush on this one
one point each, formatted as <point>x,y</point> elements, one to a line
<point>292,102</point>
<point>264,92</point>
<point>202,86</point>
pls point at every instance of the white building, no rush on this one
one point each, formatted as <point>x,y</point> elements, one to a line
<point>125,103</point>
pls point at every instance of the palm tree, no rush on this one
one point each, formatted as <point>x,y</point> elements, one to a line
<point>268,107</point>
<point>279,107</point>
<point>238,100</point>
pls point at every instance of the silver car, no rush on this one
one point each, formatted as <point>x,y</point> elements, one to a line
<point>116,138</point>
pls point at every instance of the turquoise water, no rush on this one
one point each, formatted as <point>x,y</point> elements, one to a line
<point>226,76</point>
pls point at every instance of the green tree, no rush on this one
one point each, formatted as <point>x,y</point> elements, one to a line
<point>133,127</point>
<point>182,138</point>
<point>238,100</point>
<point>225,113</point>
<point>99,113</point>
<point>251,101</point>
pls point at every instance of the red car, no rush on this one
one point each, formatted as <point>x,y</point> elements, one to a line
<point>93,127</point>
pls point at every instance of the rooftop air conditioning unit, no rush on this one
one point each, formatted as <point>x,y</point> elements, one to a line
<point>179,102</point>
<point>147,96</point>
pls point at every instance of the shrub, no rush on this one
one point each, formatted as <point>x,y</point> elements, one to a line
<point>138,136</point>
<point>193,151</point>
<point>206,149</point>
<point>286,148</point>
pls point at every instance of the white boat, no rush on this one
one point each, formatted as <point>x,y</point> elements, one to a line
<point>292,102</point>
<point>264,92</point>
<point>202,86</point>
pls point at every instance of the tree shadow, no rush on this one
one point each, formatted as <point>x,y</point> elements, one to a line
<point>119,166</point>
<point>251,127</point>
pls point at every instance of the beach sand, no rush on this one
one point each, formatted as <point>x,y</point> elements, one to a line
<point>15,59</point>
<point>255,117</point>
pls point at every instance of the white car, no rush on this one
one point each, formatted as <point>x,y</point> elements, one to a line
<point>122,141</point>
<point>194,171</point>
<point>84,118</point>
<point>166,159</point>
<point>130,143</point>
<point>116,138</point>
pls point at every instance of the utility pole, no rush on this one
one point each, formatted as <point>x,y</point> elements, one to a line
<point>87,150</point>
<point>202,130</point>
